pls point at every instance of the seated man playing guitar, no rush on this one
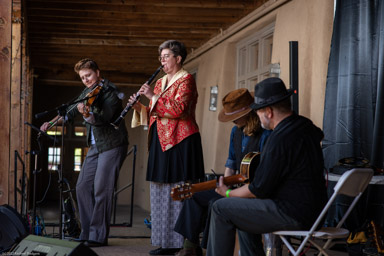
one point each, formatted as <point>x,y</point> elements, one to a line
<point>288,190</point>
<point>246,136</point>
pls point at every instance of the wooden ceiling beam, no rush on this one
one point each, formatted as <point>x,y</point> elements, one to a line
<point>143,33</point>
<point>158,13</point>
<point>57,82</point>
<point>136,5</point>
<point>139,65</point>
<point>159,25</point>
<point>37,36</point>
<point>123,64</point>
<point>67,77</point>
<point>101,49</point>
<point>122,36</point>
<point>137,42</point>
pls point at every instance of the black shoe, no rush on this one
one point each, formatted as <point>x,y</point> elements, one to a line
<point>164,251</point>
<point>91,243</point>
<point>197,251</point>
<point>77,240</point>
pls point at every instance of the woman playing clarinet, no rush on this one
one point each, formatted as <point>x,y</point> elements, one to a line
<point>175,151</point>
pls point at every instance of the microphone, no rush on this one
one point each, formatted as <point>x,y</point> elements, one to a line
<point>116,91</point>
<point>120,94</point>
<point>42,114</point>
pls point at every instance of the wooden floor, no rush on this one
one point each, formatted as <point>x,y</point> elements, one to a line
<point>124,240</point>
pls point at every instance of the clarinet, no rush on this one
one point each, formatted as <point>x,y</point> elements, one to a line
<point>118,120</point>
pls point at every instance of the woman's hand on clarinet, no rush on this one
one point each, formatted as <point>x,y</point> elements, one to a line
<point>146,90</point>
<point>137,105</point>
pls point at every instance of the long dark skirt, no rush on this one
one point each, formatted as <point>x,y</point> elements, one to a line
<point>182,162</point>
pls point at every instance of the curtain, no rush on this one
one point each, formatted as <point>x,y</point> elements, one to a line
<point>354,110</point>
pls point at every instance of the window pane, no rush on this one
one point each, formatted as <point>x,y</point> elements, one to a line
<point>79,156</point>
<point>80,131</point>
<point>56,130</point>
<point>53,158</point>
<point>241,84</point>
<point>254,54</point>
<point>268,45</point>
<point>252,82</point>
<point>77,161</point>
<point>242,61</point>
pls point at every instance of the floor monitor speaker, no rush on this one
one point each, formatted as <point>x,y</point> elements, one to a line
<point>44,246</point>
<point>12,228</point>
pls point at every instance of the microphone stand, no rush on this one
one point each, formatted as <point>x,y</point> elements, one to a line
<point>62,112</point>
<point>35,171</point>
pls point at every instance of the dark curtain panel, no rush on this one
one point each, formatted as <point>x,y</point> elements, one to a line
<point>353,112</point>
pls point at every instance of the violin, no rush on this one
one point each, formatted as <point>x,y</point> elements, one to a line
<point>90,98</point>
<point>92,95</point>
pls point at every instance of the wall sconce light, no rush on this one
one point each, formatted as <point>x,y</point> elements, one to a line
<point>213,98</point>
<point>275,70</point>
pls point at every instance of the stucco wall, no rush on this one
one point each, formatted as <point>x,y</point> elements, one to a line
<point>309,23</point>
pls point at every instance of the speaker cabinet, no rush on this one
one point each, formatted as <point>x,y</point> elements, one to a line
<point>37,245</point>
<point>12,227</point>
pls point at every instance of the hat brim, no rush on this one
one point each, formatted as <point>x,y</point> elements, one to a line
<point>256,106</point>
<point>229,118</point>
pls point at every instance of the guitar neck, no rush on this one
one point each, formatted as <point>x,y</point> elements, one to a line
<point>211,184</point>
<point>249,162</point>
<point>185,191</point>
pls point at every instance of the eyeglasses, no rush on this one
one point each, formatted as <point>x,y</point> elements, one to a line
<point>165,57</point>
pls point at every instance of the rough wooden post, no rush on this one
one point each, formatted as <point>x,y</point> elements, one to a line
<point>5,83</point>
<point>16,126</point>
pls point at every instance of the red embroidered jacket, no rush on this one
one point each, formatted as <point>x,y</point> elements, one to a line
<point>174,110</point>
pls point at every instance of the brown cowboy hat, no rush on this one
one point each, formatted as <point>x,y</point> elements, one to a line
<point>236,104</point>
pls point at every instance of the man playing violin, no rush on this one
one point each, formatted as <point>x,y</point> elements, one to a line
<point>107,151</point>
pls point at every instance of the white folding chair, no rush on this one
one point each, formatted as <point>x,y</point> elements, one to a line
<point>352,183</point>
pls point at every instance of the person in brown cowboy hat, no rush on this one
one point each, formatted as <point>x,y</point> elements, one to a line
<point>288,190</point>
<point>246,136</point>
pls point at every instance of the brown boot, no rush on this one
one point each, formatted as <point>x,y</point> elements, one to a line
<point>190,252</point>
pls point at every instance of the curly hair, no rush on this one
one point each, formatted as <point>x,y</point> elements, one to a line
<point>253,125</point>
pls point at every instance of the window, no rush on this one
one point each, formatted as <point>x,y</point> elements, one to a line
<point>80,131</point>
<point>79,156</point>
<point>56,130</point>
<point>54,158</point>
<point>254,57</point>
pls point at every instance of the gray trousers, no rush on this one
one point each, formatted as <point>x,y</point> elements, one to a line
<point>94,191</point>
<point>257,216</point>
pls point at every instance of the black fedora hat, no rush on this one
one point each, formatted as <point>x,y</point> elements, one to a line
<point>270,91</point>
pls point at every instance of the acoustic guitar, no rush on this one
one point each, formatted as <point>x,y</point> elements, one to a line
<point>247,167</point>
